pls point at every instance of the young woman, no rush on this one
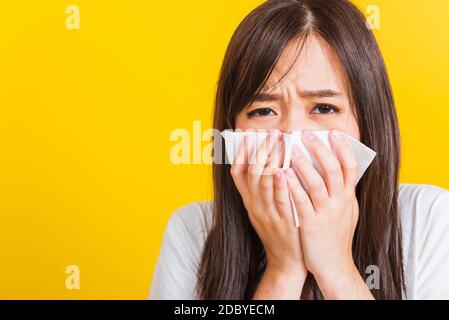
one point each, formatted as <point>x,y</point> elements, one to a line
<point>307,65</point>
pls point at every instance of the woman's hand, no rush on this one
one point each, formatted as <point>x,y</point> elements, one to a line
<point>264,190</point>
<point>328,212</point>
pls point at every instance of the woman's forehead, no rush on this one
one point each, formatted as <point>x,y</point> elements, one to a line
<point>316,68</point>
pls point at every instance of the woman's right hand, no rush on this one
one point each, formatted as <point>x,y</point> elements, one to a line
<point>263,187</point>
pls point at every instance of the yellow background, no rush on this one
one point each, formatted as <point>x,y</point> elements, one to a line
<point>85,119</point>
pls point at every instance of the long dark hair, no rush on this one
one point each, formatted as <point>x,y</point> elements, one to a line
<point>233,257</point>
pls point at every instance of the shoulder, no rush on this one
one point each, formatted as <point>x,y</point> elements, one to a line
<point>195,217</point>
<point>422,194</point>
<point>426,203</point>
<point>180,254</point>
<point>425,221</point>
<point>190,225</point>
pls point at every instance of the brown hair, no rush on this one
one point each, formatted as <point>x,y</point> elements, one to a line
<point>233,257</point>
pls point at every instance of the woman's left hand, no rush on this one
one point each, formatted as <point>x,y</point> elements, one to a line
<point>328,212</point>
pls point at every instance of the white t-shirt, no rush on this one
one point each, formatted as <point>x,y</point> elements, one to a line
<point>425,230</point>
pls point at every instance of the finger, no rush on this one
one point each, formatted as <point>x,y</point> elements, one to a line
<point>267,178</point>
<point>262,154</point>
<point>276,156</point>
<point>282,197</point>
<point>300,197</point>
<point>257,164</point>
<point>332,172</point>
<point>347,159</point>
<point>240,166</point>
<point>316,188</point>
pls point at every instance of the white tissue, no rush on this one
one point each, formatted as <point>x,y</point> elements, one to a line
<point>364,154</point>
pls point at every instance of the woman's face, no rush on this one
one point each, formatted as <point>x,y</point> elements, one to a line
<point>312,96</point>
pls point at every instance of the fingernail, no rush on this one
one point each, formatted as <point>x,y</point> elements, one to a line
<point>295,151</point>
<point>290,172</point>
<point>277,173</point>
<point>280,147</point>
<point>246,140</point>
<point>336,134</point>
<point>308,135</point>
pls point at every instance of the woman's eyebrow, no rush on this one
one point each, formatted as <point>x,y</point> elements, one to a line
<point>323,93</point>
<point>261,97</point>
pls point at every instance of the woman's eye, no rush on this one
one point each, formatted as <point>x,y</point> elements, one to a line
<point>261,112</point>
<point>326,108</point>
